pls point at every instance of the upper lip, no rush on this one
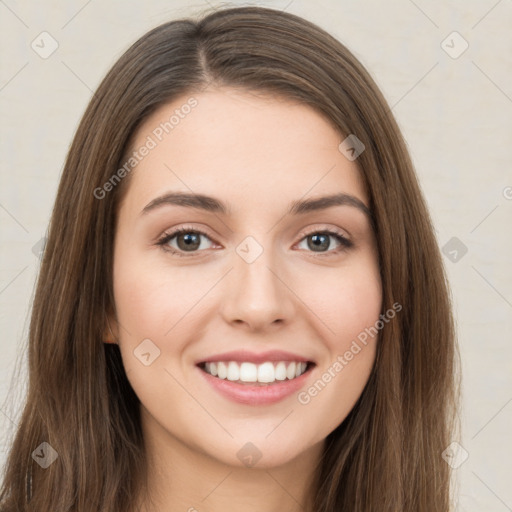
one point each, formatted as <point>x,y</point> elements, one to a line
<point>251,357</point>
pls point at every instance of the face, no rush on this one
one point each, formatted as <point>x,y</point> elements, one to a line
<point>238,329</point>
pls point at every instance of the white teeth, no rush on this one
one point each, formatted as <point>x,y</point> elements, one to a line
<point>300,369</point>
<point>222,371</point>
<point>266,372</point>
<point>290,371</point>
<point>280,371</point>
<point>233,371</point>
<point>249,372</point>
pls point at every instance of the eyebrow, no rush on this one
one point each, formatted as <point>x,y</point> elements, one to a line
<point>214,205</point>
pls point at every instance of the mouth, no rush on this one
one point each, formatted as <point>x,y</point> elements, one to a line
<point>256,379</point>
<point>248,373</point>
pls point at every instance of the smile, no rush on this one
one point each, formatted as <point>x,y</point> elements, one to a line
<point>255,378</point>
<point>265,373</point>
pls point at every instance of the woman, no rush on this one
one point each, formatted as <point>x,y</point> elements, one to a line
<point>241,304</point>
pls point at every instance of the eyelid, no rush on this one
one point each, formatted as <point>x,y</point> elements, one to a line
<point>345,243</point>
<point>311,230</point>
<point>169,234</point>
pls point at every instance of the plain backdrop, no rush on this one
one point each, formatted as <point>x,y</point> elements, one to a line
<point>446,71</point>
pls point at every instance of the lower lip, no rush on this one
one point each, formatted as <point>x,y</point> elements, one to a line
<point>256,395</point>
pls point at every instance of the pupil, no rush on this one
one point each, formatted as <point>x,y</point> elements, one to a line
<point>318,243</point>
<point>191,241</point>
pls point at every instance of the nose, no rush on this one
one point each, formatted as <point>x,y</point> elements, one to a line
<point>256,294</point>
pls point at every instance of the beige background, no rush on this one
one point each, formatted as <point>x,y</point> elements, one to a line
<point>455,111</point>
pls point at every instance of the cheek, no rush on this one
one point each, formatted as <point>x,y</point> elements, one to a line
<point>151,297</point>
<point>139,298</point>
<point>358,307</point>
<point>154,305</point>
<point>349,310</point>
<point>345,300</point>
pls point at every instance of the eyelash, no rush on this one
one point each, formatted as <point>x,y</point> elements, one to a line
<point>345,243</point>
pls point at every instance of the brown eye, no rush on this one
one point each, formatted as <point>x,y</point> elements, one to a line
<point>320,242</point>
<point>187,240</point>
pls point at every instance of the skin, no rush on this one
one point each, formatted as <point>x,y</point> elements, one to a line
<point>258,154</point>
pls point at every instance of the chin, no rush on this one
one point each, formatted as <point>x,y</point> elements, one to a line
<point>260,453</point>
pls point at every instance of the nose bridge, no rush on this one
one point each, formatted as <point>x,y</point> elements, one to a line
<point>256,291</point>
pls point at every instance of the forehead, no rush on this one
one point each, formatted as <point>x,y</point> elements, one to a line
<point>241,147</point>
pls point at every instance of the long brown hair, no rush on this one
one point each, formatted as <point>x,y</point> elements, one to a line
<point>387,454</point>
